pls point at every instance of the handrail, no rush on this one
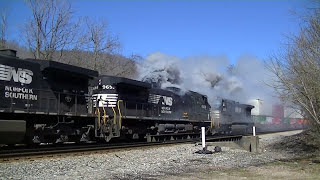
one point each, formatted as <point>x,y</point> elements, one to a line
<point>212,122</point>
<point>48,102</point>
<point>114,116</point>
<point>97,112</point>
<point>104,115</point>
<point>120,116</point>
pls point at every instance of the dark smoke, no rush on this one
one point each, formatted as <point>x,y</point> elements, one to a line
<point>161,70</point>
<point>213,76</point>
<point>213,79</point>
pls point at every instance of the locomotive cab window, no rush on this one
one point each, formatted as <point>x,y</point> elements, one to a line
<point>238,109</point>
<point>204,98</point>
<point>223,103</point>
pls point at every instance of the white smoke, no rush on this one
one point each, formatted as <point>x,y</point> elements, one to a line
<point>213,76</point>
<point>160,69</point>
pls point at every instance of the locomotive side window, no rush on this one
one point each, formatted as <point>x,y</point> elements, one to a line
<point>248,112</point>
<point>204,99</point>
<point>217,104</point>
<point>238,109</point>
<point>224,106</point>
<point>199,100</point>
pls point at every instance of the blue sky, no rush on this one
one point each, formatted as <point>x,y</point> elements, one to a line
<point>187,28</point>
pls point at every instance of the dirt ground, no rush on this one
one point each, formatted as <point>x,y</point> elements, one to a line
<point>290,169</point>
<point>306,165</point>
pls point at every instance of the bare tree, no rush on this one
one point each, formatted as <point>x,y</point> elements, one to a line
<point>297,71</point>
<point>97,40</point>
<point>3,28</point>
<point>51,34</point>
<point>107,64</point>
<point>50,29</point>
<point>102,50</point>
<point>118,65</point>
<point>22,51</point>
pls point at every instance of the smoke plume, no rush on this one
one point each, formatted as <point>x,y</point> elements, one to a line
<point>213,76</point>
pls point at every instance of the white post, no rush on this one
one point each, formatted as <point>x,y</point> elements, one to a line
<point>254,130</point>
<point>203,136</point>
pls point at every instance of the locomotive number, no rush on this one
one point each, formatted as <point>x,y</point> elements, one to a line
<point>107,87</point>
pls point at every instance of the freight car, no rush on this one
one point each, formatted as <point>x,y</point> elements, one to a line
<point>274,124</point>
<point>50,102</point>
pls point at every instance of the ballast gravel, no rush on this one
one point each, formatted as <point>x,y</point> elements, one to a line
<point>149,163</point>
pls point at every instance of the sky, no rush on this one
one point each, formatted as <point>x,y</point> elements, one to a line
<point>186,28</point>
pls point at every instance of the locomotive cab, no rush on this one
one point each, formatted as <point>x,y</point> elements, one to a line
<point>107,90</point>
<point>231,117</point>
<point>199,108</point>
<point>115,99</point>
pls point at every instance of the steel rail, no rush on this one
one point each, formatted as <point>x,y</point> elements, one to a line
<point>51,150</point>
<point>77,148</point>
<point>71,148</point>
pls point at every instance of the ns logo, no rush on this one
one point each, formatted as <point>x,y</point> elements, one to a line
<point>159,99</point>
<point>167,101</point>
<point>8,73</point>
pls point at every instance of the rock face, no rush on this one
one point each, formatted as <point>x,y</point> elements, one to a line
<point>148,163</point>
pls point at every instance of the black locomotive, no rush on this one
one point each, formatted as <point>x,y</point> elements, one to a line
<point>50,102</point>
<point>140,111</point>
<point>42,100</point>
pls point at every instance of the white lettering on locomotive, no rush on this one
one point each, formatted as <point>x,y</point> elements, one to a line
<point>107,87</point>
<point>19,93</point>
<point>166,110</point>
<point>167,101</point>
<point>21,96</point>
<point>155,98</point>
<point>7,73</point>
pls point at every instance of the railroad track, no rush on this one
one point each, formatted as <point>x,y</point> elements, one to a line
<point>50,151</point>
<point>273,132</point>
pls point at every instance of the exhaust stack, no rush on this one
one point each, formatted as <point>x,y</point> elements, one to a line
<point>8,52</point>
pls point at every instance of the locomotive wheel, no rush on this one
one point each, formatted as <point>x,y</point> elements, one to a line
<point>62,139</point>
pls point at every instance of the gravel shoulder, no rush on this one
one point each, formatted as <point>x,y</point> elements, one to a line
<point>170,162</point>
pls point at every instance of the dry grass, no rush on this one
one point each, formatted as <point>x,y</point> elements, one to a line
<point>288,169</point>
<point>306,165</point>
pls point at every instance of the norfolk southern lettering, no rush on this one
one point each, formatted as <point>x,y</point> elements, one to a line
<point>20,93</point>
<point>23,76</point>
